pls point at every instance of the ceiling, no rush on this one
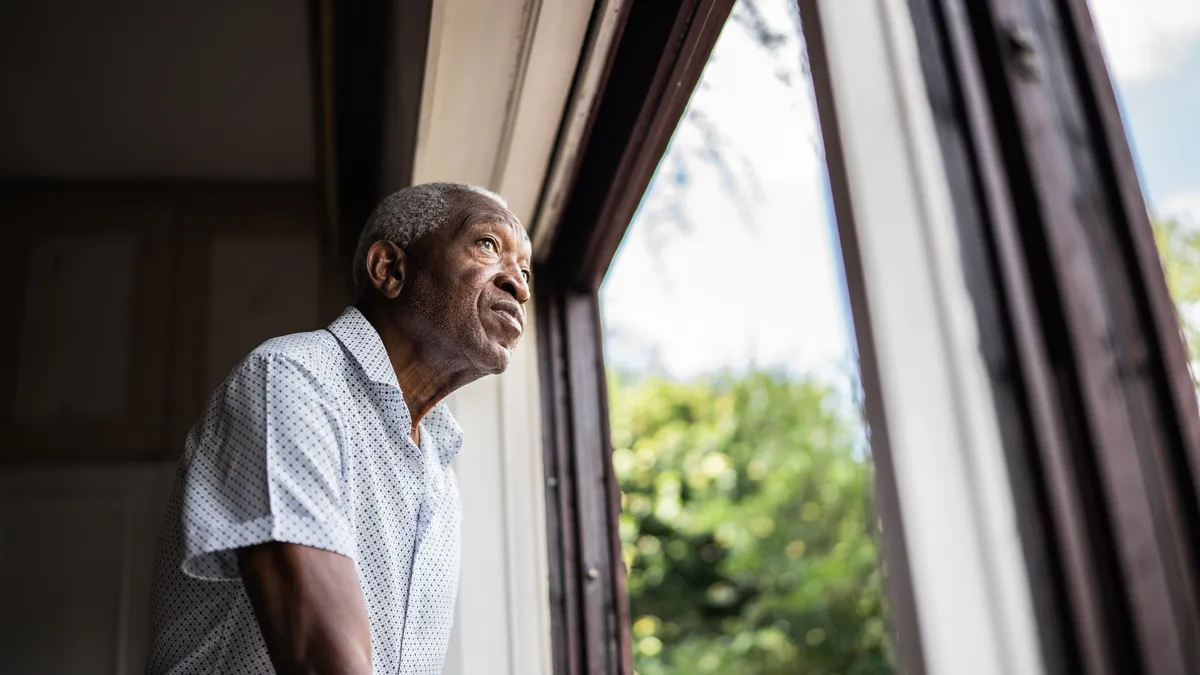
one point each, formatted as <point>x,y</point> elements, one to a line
<point>156,89</point>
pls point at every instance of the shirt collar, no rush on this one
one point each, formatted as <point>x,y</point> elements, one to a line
<point>444,429</point>
<point>361,339</point>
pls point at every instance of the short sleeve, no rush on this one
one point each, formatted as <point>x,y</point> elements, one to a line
<point>264,464</point>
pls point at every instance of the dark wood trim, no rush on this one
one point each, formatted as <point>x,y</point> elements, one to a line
<point>1087,575</point>
<point>656,65</point>
<point>561,495</point>
<point>1168,348</point>
<point>556,188</point>
<point>377,71</point>
<point>320,36</point>
<point>1020,374</point>
<point>587,584</point>
<point>1102,442</point>
<point>592,451</point>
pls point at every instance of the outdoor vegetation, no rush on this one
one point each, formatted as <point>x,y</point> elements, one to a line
<point>1179,246</point>
<point>747,528</point>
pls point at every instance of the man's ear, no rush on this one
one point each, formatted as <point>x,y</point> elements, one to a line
<point>387,268</point>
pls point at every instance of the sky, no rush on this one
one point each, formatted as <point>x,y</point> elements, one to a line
<point>731,261</point>
<point>1153,50</point>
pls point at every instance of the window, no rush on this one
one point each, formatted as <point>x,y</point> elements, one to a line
<point>1034,432</point>
<point>746,518</point>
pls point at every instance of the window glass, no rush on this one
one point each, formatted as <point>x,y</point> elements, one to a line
<point>747,520</point>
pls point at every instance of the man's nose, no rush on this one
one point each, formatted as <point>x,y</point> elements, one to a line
<point>514,284</point>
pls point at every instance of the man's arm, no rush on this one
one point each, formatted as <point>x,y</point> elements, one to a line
<point>309,607</point>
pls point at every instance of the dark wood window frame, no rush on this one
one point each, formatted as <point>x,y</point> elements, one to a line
<point>1087,363</point>
<point>660,50</point>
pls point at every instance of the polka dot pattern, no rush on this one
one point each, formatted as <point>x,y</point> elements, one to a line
<point>307,442</point>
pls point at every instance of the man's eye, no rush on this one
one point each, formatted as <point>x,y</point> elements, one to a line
<point>525,275</point>
<point>488,245</point>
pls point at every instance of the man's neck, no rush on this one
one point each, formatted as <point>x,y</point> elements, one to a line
<point>424,375</point>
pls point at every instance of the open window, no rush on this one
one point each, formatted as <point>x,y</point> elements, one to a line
<point>747,520</point>
<point>1031,420</point>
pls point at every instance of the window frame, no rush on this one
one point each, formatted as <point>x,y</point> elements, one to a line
<point>630,123</point>
<point>1103,414</point>
<point>658,51</point>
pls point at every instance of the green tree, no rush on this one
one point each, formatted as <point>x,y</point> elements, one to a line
<point>746,528</point>
<point>1179,248</point>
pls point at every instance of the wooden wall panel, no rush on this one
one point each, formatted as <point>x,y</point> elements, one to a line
<point>77,333</point>
<point>62,601</point>
<point>259,287</point>
<point>131,303</point>
<point>250,266</point>
<point>76,557</point>
<point>84,368</point>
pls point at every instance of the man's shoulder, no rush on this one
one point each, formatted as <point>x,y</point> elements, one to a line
<point>309,346</point>
<point>317,354</point>
<point>304,372</point>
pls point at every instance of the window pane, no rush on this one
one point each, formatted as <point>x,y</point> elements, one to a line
<point>747,521</point>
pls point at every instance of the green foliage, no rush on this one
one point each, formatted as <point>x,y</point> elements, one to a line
<point>746,528</point>
<point>1179,248</point>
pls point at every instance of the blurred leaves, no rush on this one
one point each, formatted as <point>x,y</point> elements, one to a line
<point>1179,247</point>
<point>746,528</point>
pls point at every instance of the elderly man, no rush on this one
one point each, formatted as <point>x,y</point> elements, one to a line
<point>314,526</point>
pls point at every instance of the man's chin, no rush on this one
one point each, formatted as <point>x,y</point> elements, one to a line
<point>494,350</point>
<point>496,359</point>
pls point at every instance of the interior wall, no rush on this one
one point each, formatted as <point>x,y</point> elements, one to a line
<point>130,304</point>
<point>497,80</point>
<point>209,89</point>
<point>498,75</point>
<point>76,562</point>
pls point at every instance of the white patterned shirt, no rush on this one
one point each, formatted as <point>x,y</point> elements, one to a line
<point>307,441</point>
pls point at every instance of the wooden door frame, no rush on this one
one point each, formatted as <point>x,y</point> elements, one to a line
<point>368,72</point>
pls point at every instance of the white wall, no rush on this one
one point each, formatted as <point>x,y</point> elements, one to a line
<point>502,625</point>
<point>497,80</point>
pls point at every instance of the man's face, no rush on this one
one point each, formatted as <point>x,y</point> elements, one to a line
<point>471,284</point>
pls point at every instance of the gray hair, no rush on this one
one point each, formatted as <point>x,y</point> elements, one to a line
<point>408,215</point>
